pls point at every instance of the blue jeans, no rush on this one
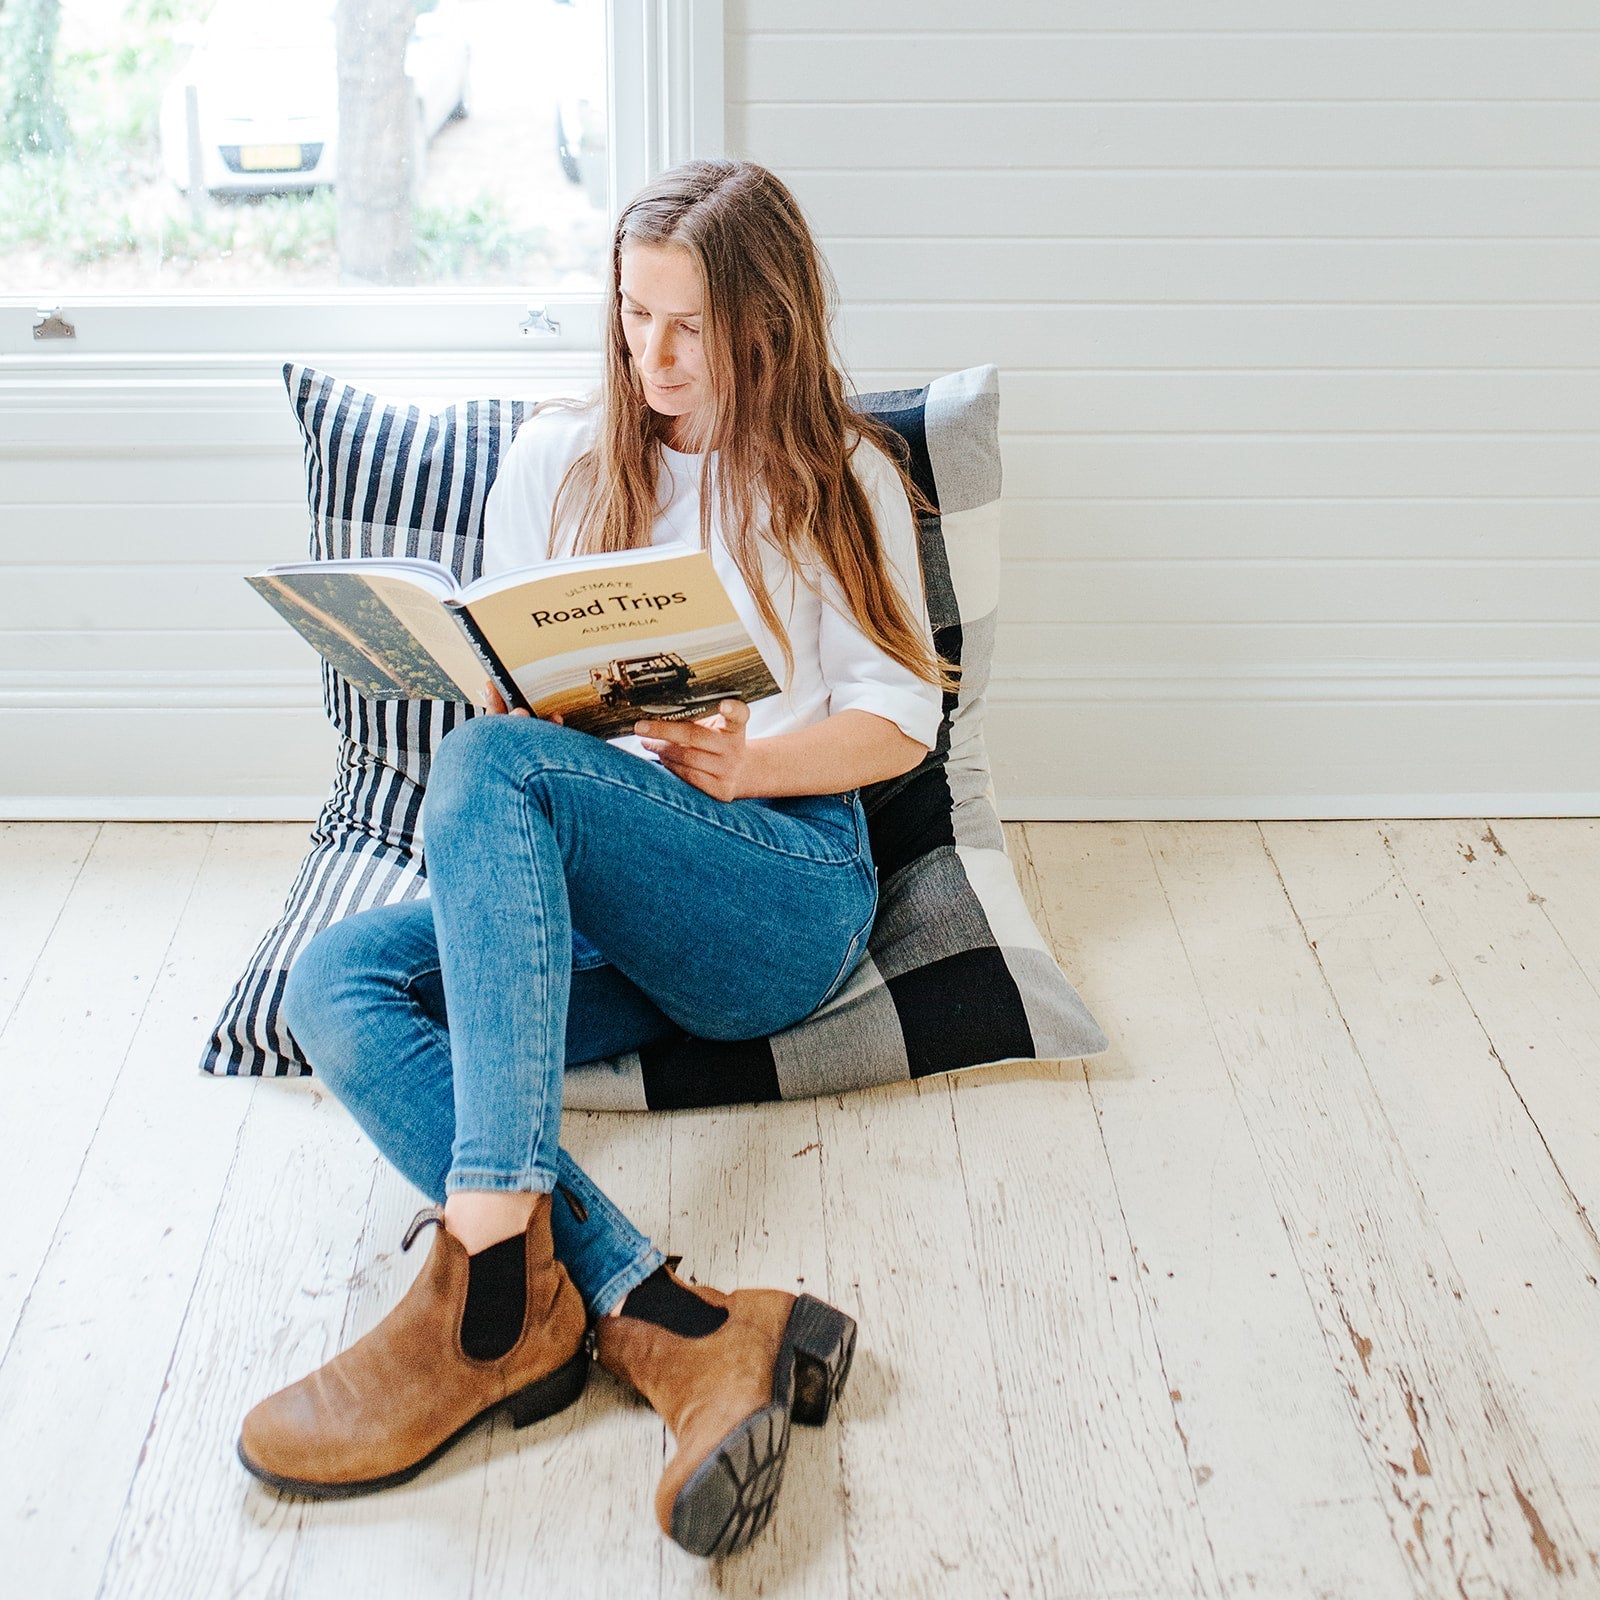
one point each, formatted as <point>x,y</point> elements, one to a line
<point>445,1024</point>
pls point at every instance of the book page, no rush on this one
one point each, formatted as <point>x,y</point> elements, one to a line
<point>345,617</point>
<point>604,647</point>
<point>437,631</point>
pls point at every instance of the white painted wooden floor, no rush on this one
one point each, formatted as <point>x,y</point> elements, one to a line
<point>1294,1293</point>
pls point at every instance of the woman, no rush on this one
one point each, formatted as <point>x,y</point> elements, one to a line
<point>722,885</point>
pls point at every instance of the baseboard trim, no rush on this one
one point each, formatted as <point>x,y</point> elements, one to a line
<point>1022,808</point>
<point>1290,808</point>
<point>1387,682</point>
<point>159,808</point>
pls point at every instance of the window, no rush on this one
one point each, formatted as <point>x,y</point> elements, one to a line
<point>188,176</point>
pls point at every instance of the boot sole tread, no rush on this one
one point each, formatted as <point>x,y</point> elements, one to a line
<point>728,1499</point>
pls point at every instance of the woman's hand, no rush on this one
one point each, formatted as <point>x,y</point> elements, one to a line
<point>494,703</point>
<point>710,752</point>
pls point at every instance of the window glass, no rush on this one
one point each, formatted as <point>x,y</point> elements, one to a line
<point>288,146</point>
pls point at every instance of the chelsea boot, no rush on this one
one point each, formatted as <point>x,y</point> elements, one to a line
<point>381,1411</point>
<point>728,1398</point>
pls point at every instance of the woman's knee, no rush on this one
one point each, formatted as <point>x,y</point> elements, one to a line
<point>488,755</point>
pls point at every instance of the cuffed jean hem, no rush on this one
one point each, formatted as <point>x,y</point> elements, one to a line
<point>631,1276</point>
<point>533,1182</point>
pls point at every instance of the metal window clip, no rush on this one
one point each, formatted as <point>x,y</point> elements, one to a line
<point>48,323</point>
<point>539,324</point>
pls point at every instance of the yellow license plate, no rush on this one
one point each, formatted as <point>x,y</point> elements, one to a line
<point>270,157</point>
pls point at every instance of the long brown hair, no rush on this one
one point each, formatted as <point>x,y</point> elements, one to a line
<point>781,425</point>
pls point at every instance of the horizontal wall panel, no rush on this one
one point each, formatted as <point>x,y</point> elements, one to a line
<point>1219,204</point>
<point>250,536</point>
<point>1155,66</point>
<point>1195,134</point>
<point>181,599</point>
<point>1086,336</point>
<point>238,763</point>
<point>133,597</point>
<point>1285,649</point>
<point>1506,402</point>
<point>1244,464</point>
<point>1329,271</point>
<point>1377,531</point>
<point>1183,16</point>
<point>265,428</point>
<point>143,476</point>
<point>45,654</point>
<point>1089,755</point>
<point>1242,758</point>
<point>1062,593</point>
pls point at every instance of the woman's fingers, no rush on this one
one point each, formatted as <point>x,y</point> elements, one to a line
<point>691,735</point>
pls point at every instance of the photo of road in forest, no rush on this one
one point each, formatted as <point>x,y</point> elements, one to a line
<point>663,684</point>
<point>340,616</point>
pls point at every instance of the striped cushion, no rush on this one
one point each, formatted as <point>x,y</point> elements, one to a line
<point>956,974</point>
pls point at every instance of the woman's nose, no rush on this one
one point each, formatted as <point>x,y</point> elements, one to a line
<point>658,349</point>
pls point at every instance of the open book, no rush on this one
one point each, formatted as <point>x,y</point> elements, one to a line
<point>599,640</point>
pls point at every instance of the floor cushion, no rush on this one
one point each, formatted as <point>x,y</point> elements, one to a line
<point>957,974</point>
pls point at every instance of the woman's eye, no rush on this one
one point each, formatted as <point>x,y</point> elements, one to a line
<point>687,329</point>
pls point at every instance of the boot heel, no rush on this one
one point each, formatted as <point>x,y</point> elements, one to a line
<point>555,1391</point>
<point>823,1341</point>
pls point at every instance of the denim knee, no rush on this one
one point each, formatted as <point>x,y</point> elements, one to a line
<point>478,753</point>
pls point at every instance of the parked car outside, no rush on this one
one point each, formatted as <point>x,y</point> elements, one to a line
<point>266,78</point>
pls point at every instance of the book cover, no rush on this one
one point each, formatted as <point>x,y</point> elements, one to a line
<point>606,646</point>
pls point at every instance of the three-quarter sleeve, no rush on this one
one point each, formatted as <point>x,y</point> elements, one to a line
<point>859,675</point>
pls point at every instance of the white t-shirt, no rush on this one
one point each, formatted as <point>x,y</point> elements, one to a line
<point>836,667</point>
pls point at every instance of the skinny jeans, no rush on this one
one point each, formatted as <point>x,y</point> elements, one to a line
<point>446,1023</point>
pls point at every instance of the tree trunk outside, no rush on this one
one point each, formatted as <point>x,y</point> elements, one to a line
<point>374,186</point>
<point>31,120</point>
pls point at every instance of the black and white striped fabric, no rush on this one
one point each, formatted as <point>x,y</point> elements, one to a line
<point>956,975</point>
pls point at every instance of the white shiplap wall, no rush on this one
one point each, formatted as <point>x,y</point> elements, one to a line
<point>1295,308</point>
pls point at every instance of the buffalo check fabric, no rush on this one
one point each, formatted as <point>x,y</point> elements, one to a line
<point>956,975</point>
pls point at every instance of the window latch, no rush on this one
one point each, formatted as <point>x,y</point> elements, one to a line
<point>48,323</point>
<point>538,324</point>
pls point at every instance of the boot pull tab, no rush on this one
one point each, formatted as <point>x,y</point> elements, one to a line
<point>426,1215</point>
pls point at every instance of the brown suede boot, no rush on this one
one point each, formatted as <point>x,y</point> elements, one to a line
<point>728,1397</point>
<point>381,1411</point>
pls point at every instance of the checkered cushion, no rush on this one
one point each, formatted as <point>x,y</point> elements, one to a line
<point>956,973</point>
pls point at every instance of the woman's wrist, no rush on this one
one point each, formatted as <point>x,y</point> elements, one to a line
<point>846,751</point>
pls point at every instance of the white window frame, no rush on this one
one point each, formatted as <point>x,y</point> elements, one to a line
<point>664,85</point>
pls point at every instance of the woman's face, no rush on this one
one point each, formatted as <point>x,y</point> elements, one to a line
<point>663,311</point>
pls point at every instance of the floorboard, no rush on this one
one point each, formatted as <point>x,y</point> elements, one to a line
<point>68,1038</point>
<point>1281,1475</point>
<point>1526,1256</point>
<point>83,1375</point>
<point>1293,1293</point>
<point>1473,1497</point>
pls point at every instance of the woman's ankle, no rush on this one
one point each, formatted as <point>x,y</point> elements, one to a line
<point>482,1217</point>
